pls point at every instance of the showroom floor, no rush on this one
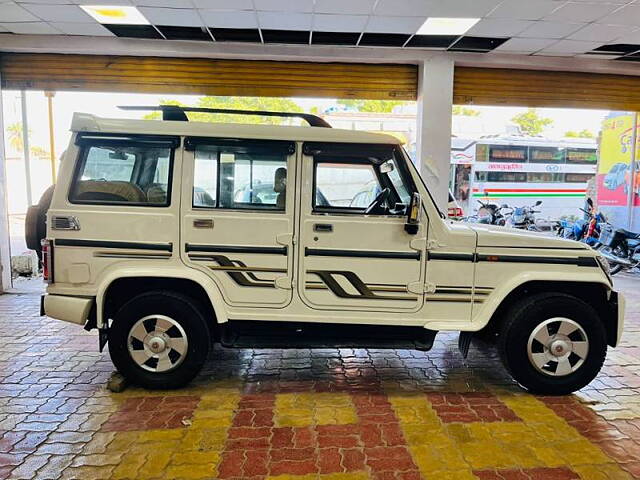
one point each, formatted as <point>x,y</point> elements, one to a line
<point>300,414</point>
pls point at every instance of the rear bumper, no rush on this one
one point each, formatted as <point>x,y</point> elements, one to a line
<point>68,309</point>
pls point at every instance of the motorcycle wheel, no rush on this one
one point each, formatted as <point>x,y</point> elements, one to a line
<point>616,268</point>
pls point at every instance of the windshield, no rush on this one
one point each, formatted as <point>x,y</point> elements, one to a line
<point>407,159</point>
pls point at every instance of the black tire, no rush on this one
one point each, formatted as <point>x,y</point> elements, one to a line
<point>183,310</point>
<point>35,228</point>
<point>521,320</point>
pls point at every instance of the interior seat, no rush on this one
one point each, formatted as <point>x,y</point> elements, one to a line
<point>280,187</point>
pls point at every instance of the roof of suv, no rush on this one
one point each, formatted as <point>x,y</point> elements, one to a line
<point>84,122</point>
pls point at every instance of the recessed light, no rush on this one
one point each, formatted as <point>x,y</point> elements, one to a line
<point>113,14</point>
<point>446,26</point>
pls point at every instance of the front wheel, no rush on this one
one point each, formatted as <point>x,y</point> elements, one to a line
<point>159,340</point>
<point>552,343</point>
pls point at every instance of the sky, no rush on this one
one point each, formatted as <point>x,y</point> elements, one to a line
<point>492,119</point>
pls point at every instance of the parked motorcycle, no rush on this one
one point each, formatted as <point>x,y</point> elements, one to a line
<point>524,217</point>
<point>585,230</point>
<point>620,247</point>
<point>491,213</point>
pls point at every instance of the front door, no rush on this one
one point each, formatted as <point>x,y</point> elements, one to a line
<point>237,220</point>
<point>355,253</point>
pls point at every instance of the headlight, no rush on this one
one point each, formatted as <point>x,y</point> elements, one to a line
<point>606,268</point>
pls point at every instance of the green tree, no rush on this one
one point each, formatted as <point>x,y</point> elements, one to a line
<point>235,103</point>
<point>465,111</point>
<point>372,106</point>
<point>531,123</point>
<point>584,133</point>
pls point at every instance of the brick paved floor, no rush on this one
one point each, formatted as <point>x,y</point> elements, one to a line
<point>300,414</point>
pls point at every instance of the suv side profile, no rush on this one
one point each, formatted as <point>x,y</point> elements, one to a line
<point>170,235</point>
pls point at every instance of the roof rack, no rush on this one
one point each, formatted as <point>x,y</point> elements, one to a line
<point>177,113</point>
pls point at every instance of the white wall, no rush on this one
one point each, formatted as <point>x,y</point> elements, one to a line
<point>5,255</point>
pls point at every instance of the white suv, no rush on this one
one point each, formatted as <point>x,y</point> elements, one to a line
<point>170,235</point>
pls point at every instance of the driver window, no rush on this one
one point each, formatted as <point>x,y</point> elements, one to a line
<point>345,186</point>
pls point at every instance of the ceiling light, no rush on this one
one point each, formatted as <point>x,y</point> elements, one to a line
<point>111,14</point>
<point>446,26</point>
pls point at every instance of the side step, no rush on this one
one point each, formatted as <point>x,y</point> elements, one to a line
<point>268,334</point>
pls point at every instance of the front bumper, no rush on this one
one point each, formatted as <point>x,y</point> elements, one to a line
<point>615,322</point>
<point>66,308</point>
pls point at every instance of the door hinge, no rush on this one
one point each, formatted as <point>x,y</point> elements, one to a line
<point>285,283</point>
<point>431,244</point>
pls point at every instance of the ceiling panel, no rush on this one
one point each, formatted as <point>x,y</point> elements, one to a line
<point>581,12</point>
<point>525,45</point>
<point>346,7</point>
<point>290,21</point>
<point>595,32</point>
<point>544,29</point>
<point>379,24</point>
<point>463,8</point>
<point>406,8</point>
<point>224,4</point>
<point>284,5</point>
<point>627,15</point>
<point>500,27</point>
<point>10,12</point>
<point>88,29</point>
<point>58,13</point>
<point>172,16</point>
<point>221,19</point>
<point>163,3</point>
<point>325,22</point>
<point>571,46</point>
<point>525,9</point>
<point>33,28</point>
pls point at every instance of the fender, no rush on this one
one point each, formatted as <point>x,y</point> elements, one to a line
<point>138,269</point>
<point>481,314</point>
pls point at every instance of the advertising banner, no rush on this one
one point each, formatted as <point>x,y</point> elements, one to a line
<point>614,166</point>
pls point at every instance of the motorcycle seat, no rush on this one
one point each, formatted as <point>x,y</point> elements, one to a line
<point>628,234</point>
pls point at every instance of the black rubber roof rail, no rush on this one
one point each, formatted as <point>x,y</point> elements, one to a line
<point>177,113</point>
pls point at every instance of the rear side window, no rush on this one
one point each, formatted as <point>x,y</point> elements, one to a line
<point>239,177</point>
<point>123,173</point>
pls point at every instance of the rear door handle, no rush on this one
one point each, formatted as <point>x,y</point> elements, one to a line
<point>203,223</point>
<point>323,227</point>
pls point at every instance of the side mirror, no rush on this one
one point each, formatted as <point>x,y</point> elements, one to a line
<point>539,202</point>
<point>413,214</point>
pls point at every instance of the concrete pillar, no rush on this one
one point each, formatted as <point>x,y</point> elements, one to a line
<point>5,251</point>
<point>435,102</point>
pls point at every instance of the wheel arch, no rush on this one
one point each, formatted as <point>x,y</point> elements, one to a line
<point>118,288</point>
<point>594,293</point>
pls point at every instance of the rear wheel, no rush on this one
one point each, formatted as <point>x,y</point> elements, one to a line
<point>159,339</point>
<point>552,343</point>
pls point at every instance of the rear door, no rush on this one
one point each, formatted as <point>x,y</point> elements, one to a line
<point>351,259</point>
<point>237,217</point>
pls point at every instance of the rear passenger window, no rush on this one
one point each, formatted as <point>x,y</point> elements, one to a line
<point>123,174</point>
<point>252,177</point>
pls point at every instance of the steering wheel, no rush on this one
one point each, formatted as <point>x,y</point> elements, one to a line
<point>375,207</point>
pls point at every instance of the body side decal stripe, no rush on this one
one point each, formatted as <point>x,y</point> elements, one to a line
<point>235,249</point>
<point>321,252</point>
<point>72,242</point>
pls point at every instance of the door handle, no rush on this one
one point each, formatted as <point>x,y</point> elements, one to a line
<point>322,227</point>
<point>203,223</point>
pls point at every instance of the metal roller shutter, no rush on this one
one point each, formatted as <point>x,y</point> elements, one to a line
<point>208,76</point>
<point>535,88</point>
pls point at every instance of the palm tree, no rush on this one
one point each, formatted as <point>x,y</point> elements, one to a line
<point>15,141</point>
<point>15,136</point>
